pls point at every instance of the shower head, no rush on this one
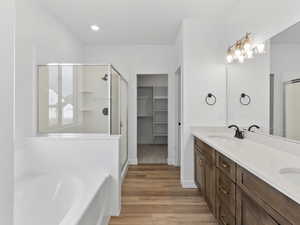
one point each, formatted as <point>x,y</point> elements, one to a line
<point>105,78</point>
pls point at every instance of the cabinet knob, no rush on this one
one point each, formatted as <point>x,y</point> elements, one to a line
<point>223,190</point>
<point>200,162</point>
<point>224,165</point>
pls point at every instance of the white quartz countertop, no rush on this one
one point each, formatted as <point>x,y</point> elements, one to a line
<point>266,162</point>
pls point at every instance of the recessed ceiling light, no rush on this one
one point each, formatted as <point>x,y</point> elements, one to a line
<point>95,27</point>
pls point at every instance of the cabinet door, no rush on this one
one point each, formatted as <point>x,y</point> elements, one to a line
<point>199,171</point>
<point>250,213</point>
<point>210,185</point>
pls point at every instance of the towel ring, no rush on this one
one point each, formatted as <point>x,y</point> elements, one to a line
<point>210,96</point>
<point>245,99</point>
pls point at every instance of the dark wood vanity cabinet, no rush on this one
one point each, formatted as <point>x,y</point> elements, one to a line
<point>250,213</point>
<point>210,194</point>
<point>205,172</point>
<point>237,197</point>
<point>199,170</point>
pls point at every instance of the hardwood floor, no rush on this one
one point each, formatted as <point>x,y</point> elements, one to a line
<point>152,195</point>
<point>152,154</point>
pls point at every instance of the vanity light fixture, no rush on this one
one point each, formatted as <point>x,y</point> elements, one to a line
<point>244,49</point>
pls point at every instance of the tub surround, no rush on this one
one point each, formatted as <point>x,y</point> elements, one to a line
<point>257,154</point>
<point>79,156</point>
<point>62,198</point>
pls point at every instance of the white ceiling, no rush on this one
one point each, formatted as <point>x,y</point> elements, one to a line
<point>288,36</point>
<point>131,21</point>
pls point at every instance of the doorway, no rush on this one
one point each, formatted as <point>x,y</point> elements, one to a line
<point>152,118</point>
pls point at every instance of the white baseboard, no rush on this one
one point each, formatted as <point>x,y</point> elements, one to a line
<point>188,184</point>
<point>132,161</point>
<point>171,162</point>
<point>105,221</point>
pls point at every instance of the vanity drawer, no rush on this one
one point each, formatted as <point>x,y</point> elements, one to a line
<point>224,216</point>
<point>272,200</point>
<point>226,165</point>
<point>206,150</point>
<point>226,191</point>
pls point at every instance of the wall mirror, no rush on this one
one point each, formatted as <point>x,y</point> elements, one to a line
<point>285,84</point>
<point>272,80</point>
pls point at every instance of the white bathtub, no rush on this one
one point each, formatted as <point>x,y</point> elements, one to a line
<point>69,198</point>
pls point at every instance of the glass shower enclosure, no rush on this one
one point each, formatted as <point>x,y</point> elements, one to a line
<point>82,99</point>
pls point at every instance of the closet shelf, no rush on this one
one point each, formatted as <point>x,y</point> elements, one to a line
<point>152,110</point>
<point>160,97</point>
<point>144,116</point>
<point>160,123</point>
<point>160,110</point>
<point>160,135</point>
<point>143,97</point>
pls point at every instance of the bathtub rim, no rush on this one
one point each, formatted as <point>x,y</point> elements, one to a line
<point>69,218</point>
<point>81,204</point>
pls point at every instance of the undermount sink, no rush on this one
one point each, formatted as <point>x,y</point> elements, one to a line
<point>221,137</point>
<point>291,174</point>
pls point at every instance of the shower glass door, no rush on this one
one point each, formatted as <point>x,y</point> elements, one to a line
<point>73,99</point>
<point>124,123</point>
<point>115,103</point>
<point>292,110</point>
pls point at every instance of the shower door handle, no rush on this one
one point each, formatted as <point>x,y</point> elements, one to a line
<point>105,111</point>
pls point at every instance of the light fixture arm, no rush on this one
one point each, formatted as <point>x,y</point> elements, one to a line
<point>244,49</point>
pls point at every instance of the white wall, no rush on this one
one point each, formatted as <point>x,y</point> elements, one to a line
<point>252,78</point>
<point>203,72</point>
<point>7,22</point>
<point>40,39</point>
<point>178,48</point>
<point>133,60</point>
<point>285,57</point>
<point>263,18</point>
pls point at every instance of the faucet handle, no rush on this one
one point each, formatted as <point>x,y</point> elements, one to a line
<point>253,126</point>
<point>234,126</point>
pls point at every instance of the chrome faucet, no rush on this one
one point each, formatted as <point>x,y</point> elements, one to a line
<point>253,126</point>
<point>238,133</point>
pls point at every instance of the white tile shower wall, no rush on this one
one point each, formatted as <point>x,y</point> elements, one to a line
<point>40,39</point>
<point>7,22</point>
